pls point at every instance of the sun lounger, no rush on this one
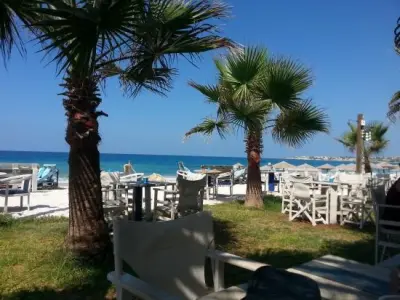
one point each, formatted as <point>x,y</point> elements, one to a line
<point>48,176</point>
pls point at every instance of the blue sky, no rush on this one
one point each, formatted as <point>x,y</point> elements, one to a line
<point>347,44</point>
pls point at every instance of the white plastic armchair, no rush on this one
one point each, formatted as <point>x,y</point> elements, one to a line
<point>131,177</point>
<point>169,259</point>
<point>21,186</point>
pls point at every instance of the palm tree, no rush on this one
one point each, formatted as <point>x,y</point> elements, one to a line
<point>258,94</point>
<point>376,145</point>
<point>137,40</point>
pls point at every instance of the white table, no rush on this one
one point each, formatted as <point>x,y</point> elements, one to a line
<point>337,278</point>
<point>340,278</point>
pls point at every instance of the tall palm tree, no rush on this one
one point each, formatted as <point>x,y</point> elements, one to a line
<point>137,40</point>
<point>259,94</point>
<point>376,145</point>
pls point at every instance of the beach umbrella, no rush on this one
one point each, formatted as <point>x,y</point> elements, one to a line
<point>348,167</point>
<point>283,165</point>
<point>266,168</point>
<point>306,167</point>
<point>375,166</point>
<point>326,167</point>
<point>339,167</point>
<point>385,165</point>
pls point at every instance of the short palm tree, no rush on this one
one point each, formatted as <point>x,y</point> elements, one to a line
<point>136,40</point>
<point>259,94</point>
<point>376,145</point>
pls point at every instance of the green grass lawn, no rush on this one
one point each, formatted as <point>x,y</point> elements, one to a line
<point>33,264</point>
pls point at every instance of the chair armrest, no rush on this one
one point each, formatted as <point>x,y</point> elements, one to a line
<point>171,192</point>
<point>165,191</point>
<point>388,206</point>
<point>235,260</point>
<point>138,287</point>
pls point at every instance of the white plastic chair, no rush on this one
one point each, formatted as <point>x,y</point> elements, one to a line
<point>23,183</point>
<point>169,259</point>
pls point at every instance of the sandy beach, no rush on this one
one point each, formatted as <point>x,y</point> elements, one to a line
<point>48,203</point>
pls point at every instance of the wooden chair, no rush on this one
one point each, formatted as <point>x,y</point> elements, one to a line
<point>286,190</point>
<point>356,207</point>
<point>169,258</point>
<point>185,199</point>
<point>305,204</point>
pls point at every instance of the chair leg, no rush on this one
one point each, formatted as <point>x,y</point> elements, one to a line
<point>313,208</point>
<point>362,216</point>
<point>155,205</point>
<point>21,202</point>
<point>6,204</point>
<point>29,201</point>
<point>383,253</point>
<point>172,209</point>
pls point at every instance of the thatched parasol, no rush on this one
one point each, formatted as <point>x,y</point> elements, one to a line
<point>306,167</point>
<point>385,165</point>
<point>326,167</point>
<point>283,165</point>
<point>348,167</point>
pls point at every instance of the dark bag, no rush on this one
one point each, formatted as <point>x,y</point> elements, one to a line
<point>270,283</point>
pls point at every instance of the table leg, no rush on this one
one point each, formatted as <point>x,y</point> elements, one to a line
<point>147,201</point>
<point>137,203</point>
<point>266,183</point>
<point>207,190</point>
<point>216,189</point>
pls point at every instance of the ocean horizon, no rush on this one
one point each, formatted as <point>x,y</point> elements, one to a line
<point>165,165</point>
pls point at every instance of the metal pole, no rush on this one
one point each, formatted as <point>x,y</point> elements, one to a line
<point>359,148</point>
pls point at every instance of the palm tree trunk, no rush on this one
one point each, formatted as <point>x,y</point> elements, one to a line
<point>87,232</point>
<point>253,191</point>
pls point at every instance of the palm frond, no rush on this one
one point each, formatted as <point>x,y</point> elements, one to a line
<point>378,141</point>
<point>13,12</point>
<point>248,115</point>
<point>394,106</point>
<point>348,141</point>
<point>81,36</point>
<point>209,126</point>
<point>284,81</point>
<point>300,123</point>
<point>243,69</point>
<point>166,29</point>
<point>156,79</point>
<point>349,138</point>
<point>211,92</point>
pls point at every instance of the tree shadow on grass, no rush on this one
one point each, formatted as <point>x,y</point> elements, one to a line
<point>361,251</point>
<point>94,287</point>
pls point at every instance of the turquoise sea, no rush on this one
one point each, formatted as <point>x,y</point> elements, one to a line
<point>165,165</point>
